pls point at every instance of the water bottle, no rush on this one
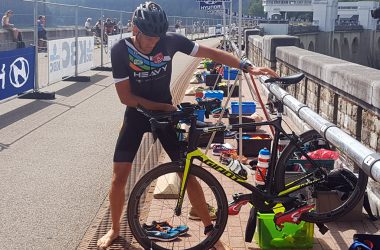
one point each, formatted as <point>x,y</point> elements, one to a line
<point>262,166</point>
<point>238,168</point>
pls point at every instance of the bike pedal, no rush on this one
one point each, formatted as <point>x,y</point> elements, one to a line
<point>236,196</point>
<point>234,207</point>
<point>291,216</point>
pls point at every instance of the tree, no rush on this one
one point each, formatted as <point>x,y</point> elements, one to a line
<point>256,8</point>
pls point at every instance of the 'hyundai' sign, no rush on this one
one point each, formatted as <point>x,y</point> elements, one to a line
<point>16,71</point>
<point>210,5</point>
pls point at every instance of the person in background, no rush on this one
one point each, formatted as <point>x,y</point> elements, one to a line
<point>178,24</point>
<point>98,28</point>
<point>42,38</point>
<point>108,27</point>
<point>5,23</point>
<point>88,27</point>
<point>129,26</point>
<point>120,26</point>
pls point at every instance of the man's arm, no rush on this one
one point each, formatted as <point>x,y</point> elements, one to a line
<point>126,97</point>
<point>226,58</point>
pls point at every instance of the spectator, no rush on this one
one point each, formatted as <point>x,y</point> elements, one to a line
<point>42,38</point>
<point>129,26</point>
<point>98,28</point>
<point>108,27</point>
<point>178,24</point>
<point>88,27</point>
<point>120,26</point>
<point>5,23</point>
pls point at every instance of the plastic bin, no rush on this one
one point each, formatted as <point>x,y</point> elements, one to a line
<point>203,140</point>
<point>200,114</point>
<point>213,94</point>
<point>210,79</point>
<point>291,236</point>
<point>248,108</point>
<point>224,88</point>
<point>253,142</point>
<point>234,119</point>
<point>233,73</point>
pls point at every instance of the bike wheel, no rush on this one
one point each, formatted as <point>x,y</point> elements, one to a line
<point>144,206</point>
<point>290,168</point>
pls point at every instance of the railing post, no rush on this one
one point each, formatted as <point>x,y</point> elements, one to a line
<point>76,41</point>
<point>101,37</point>
<point>121,25</point>
<point>35,38</point>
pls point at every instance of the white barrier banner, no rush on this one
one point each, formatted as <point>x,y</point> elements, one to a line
<point>211,31</point>
<point>181,31</point>
<point>61,57</point>
<point>125,35</point>
<point>112,40</point>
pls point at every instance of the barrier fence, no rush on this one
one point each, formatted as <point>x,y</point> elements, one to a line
<point>70,48</point>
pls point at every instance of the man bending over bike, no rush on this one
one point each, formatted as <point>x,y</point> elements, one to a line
<point>142,67</point>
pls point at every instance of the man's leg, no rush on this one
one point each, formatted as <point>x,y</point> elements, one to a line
<point>169,141</point>
<point>198,200</point>
<point>127,145</point>
<point>121,171</point>
<point>194,190</point>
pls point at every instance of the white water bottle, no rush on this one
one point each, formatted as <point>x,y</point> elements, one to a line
<point>262,166</point>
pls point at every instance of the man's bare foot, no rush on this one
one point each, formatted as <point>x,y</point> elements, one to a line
<point>107,239</point>
<point>219,245</point>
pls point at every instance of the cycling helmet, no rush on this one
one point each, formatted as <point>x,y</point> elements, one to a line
<point>151,19</point>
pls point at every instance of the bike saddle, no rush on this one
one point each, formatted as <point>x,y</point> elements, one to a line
<point>287,80</point>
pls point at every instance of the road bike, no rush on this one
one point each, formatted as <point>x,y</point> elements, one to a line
<point>291,188</point>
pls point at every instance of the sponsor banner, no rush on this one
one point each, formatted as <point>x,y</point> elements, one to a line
<point>181,31</point>
<point>211,31</point>
<point>16,71</point>
<point>61,57</point>
<point>211,6</point>
<point>112,40</point>
<point>216,12</point>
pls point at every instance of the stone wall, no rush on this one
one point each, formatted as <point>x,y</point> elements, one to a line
<point>342,92</point>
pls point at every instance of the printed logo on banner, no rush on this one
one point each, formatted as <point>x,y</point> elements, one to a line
<point>61,54</point>
<point>210,6</point>
<point>17,71</point>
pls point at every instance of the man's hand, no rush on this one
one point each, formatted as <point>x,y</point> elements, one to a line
<point>262,71</point>
<point>169,108</point>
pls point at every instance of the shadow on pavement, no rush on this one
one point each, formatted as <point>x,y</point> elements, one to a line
<point>76,87</point>
<point>22,112</point>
